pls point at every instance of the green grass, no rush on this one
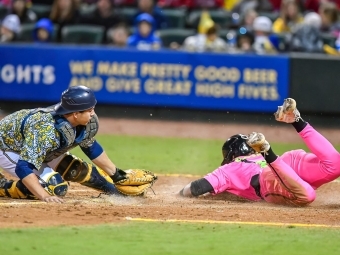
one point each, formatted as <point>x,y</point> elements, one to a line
<point>170,238</point>
<point>168,155</point>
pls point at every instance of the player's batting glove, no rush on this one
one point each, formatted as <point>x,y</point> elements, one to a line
<point>119,176</point>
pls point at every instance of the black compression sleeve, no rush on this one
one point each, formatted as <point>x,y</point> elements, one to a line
<point>300,125</point>
<point>270,156</point>
<point>200,187</point>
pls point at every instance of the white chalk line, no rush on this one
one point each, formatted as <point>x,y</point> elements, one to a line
<point>279,224</point>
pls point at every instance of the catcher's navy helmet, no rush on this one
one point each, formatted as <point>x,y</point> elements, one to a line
<point>234,147</point>
<point>76,99</point>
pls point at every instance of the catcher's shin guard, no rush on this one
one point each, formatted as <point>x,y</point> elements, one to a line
<point>74,169</point>
<point>15,189</point>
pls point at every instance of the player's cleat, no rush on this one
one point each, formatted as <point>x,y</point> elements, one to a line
<point>258,142</point>
<point>288,112</point>
<point>3,181</point>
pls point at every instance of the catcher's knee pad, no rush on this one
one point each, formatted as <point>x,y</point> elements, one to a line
<point>200,187</point>
<point>16,189</point>
<point>74,169</point>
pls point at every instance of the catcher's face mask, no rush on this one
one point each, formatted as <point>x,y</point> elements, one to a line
<point>54,184</point>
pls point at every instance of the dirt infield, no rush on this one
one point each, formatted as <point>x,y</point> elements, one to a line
<point>83,206</point>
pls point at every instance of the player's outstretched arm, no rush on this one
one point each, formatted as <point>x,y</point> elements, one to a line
<point>98,156</point>
<point>105,163</point>
<point>31,182</point>
<point>186,192</point>
<point>131,182</point>
<point>24,171</point>
<point>196,188</point>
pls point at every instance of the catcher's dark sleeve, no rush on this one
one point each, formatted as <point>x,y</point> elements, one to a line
<point>200,187</point>
<point>23,169</point>
<point>94,151</point>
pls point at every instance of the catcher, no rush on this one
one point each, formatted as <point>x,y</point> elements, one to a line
<point>290,179</point>
<point>34,145</point>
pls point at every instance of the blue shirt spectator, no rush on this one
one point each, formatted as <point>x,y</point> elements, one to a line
<point>144,37</point>
<point>147,6</point>
<point>43,31</point>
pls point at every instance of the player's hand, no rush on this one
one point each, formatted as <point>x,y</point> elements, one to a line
<point>53,199</point>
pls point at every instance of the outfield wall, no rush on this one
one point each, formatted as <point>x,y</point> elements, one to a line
<point>315,83</point>
<point>241,83</point>
<point>130,77</point>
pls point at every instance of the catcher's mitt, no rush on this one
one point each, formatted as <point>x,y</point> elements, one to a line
<point>136,182</point>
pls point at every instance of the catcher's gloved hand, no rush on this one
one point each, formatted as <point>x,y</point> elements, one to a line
<point>133,182</point>
<point>119,175</point>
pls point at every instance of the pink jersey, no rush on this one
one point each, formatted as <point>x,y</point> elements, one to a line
<point>235,177</point>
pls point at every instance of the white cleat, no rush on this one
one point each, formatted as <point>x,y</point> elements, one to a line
<point>258,142</point>
<point>288,112</point>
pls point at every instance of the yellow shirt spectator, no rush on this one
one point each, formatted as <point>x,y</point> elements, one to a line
<point>280,26</point>
<point>229,4</point>
<point>290,16</point>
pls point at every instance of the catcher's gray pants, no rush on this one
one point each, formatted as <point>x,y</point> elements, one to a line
<point>8,162</point>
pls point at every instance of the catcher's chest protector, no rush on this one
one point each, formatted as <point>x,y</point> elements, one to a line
<point>70,141</point>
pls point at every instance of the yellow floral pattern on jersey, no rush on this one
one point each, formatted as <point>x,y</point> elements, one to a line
<point>40,136</point>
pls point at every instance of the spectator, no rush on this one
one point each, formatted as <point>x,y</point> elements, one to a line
<point>104,15</point>
<point>43,31</point>
<point>329,18</point>
<point>258,5</point>
<point>10,27</point>
<point>147,6</point>
<point>205,42</point>
<point>230,4</point>
<point>248,19</point>
<point>213,42</point>
<point>306,38</point>
<point>289,17</point>
<point>20,8</point>
<point>144,38</point>
<point>245,40</point>
<point>262,30</point>
<point>197,42</point>
<point>118,35</point>
<point>64,12</point>
<point>207,37</point>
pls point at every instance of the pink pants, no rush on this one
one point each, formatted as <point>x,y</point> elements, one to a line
<point>292,178</point>
<point>320,166</point>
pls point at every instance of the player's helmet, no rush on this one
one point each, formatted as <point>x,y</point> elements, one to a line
<point>234,147</point>
<point>76,99</point>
